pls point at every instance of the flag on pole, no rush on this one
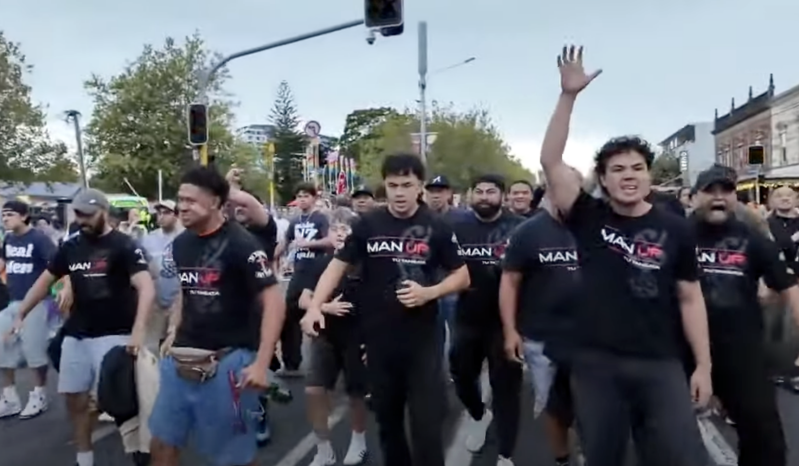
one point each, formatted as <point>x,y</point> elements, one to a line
<point>341,184</point>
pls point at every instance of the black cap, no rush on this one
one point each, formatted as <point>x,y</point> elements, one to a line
<point>362,190</point>
<point>717,174</point>
<point>438,181</point>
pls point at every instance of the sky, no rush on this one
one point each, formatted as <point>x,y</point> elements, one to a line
<point>666,64</point>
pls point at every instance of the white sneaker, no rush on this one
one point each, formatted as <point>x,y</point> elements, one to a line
<point>103,417</point>
<point>324,457</point>
<point>10,405</point>
<point>502,461</point>
<point>476,431</point>
<point>37,404</point>
<point>356,454</point>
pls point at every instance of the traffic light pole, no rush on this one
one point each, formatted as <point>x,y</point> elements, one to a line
<point>206,76</point>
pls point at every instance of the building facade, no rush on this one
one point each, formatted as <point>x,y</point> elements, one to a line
<point>745,126</point>
<point>256,134</point>
<point>785,128</point>
<point>260,134</point>
<point>694,146</point>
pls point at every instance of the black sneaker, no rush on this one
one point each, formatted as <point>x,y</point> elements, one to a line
<point>141,459</point>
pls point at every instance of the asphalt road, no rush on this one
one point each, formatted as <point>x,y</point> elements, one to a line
<point>45,440</point>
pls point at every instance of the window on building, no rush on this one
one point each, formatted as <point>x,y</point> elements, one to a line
<point>783,144</point>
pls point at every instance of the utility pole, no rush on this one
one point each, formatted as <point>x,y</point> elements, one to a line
<point>422,91</point>
<point>74,115</point>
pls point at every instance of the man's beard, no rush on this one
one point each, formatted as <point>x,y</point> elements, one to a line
<point>95,230</point>
<point>486,210</point>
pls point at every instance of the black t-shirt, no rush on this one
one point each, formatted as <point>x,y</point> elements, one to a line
<point>630,269</point>
<point>732,258</point>
<point>336,327</point>
<point>482,245</point>
<point>666,201</point>
<point>100,270</point>
<point>543,250</point>
<point>310,227</point>
<point>391,250</point>
<point>221,276</point>
<point>266,236</point>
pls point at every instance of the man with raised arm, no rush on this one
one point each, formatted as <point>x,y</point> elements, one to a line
<point>639,271</point>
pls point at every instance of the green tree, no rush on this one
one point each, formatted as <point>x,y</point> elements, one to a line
<point>138,125</point>
<point>289,143</point>
<point>359,128</point>
<point>26,152</point>
<point>467,144</point>
<point>665,169</point>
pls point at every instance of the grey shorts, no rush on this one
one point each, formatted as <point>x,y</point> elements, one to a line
<point>329,359</point>
<point>79,370</point>
<point>29,347</point>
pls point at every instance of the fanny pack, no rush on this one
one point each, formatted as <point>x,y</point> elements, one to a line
<point>196,365</point>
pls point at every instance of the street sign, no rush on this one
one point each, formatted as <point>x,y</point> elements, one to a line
<point>683,161</point>
<point>416,139</point>
<point>312,129</point>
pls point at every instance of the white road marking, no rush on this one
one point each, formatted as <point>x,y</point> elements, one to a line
<point>307,444</point>
<point>103,431</point>
<point>720,450</point>
<point>457,454</point>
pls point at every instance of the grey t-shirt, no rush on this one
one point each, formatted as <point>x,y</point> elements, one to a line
<point>156,243</point>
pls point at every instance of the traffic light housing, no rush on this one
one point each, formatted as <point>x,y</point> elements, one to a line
<point>198,124</point>
<point>756,155</point>
<point>383,14</point>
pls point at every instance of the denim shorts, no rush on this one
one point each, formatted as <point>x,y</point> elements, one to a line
<point>206,411</point>
<point>29,348</point>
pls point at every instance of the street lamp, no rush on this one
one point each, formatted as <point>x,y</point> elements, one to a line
<point>74,117</point>
<point>423,74</point>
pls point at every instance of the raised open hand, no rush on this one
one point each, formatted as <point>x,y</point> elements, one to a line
<point>573,78</point>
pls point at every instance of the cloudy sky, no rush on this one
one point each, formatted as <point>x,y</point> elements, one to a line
<point>666,63</point>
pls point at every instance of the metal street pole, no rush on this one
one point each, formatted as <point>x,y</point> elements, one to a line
<point>206,76</point>
<point>422,91</point>
<point>74,115</point>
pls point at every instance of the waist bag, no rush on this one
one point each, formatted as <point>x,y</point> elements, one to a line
<point>197,365</point>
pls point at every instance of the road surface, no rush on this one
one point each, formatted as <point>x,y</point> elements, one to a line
<point>45,440</point>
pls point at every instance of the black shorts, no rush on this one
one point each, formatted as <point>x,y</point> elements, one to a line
<point>560,404</point>
<point>330,358</point>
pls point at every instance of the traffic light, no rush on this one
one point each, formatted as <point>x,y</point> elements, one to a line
<point>756,155</point>
<point>383,14</point>
<point>198,124</point>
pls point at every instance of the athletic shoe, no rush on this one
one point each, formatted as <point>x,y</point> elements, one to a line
<point>502,461</point>
<point>10,404</point>
<point>476,431</point>
<point>356,453</point>
<point>37,404</point>
<point>324,456</point>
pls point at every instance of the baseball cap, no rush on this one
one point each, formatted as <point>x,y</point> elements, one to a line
<point>438,181</point>
<point>717,174</point>
<point>362,190</point>
<point>90,201</point>
<point>168,205</point>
